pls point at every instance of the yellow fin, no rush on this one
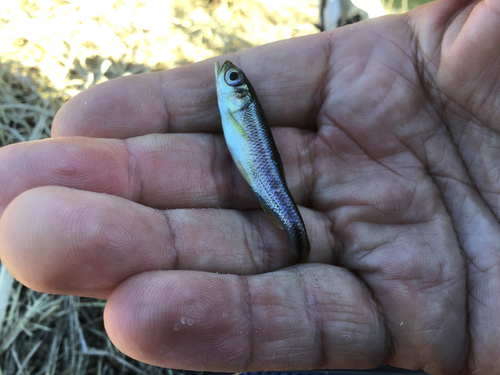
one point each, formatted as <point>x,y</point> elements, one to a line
<point>233,133</point>
<point>236,125</point>
<point>243,173</point>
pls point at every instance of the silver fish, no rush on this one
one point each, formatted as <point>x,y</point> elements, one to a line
<point>254,152</point>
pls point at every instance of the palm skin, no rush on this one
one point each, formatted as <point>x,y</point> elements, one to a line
<point>388,131</point>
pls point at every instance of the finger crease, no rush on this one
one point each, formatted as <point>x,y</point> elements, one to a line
<point>172,241</point>
<point>164,108</point>
<point>314,318</point>
<point>135,185</point>
<point>254,228</point>
<point>250,325</point>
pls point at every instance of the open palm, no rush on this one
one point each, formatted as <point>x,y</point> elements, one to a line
<point>388,131</point>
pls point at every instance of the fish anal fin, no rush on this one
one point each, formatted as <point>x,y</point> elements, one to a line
<point>276,221</point>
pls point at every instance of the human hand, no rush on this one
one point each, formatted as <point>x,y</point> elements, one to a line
<point>388,131</point>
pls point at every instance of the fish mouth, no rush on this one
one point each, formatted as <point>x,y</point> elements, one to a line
<point>225,67</point>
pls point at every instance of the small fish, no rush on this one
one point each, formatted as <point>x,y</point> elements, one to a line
<point>254,152</point>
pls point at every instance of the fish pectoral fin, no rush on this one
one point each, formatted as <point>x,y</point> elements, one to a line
<point>243,173</point>
<point>236,125</point>
<point>276,221</point>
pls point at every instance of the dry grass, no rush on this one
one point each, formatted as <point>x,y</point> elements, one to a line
<point>50,51</point>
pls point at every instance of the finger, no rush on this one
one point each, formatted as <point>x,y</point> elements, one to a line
<point>306,317</point>
<point>167,171</point>
<point>473,119</point>
<point>67,241</point>
<point>184,99</point>
<point>99,166</point>
<point>470,38</point>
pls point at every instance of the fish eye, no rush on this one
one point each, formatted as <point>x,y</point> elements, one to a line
<point>234,77</point>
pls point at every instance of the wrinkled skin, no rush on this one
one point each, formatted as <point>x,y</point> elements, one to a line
<point>389,135</point>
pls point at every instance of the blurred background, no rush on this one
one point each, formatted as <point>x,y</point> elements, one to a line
<point>50,50</point>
